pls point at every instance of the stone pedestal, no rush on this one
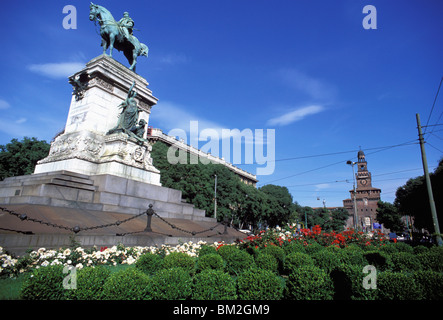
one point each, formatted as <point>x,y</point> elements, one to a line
<point>85,146</point>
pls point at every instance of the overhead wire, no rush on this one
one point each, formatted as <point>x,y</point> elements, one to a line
<point>378,149</point>
<point>433,105</point>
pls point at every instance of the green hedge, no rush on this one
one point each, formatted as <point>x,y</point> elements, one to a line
<point>237,261</point>
<point>309,283</point>
<point>90,283</point>
<point>267,262</point>
<point>171,284</point>
<point>293,272</point>
<point>179,260</point>
<point>259,284</point>
<point>45,283</point>
<point>127,284</point>
<point>149,263</point>
<point>210,261</point>
<point>397,286</point>
<point>213,285</point>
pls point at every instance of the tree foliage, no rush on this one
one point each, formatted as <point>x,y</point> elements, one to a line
<point>412,199</point>
<point>237,202</point>
<point>388,215</point>
<point>20,157</point>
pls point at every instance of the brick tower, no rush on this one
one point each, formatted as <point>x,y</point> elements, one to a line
<point>366,197</point>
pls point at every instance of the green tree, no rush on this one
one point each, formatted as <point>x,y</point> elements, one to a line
<point>412,199</point>
<point>388,215</point>
<point>281,203</point>
<point>241,204</point>
<point>20,157</point>
<point>339,216</point>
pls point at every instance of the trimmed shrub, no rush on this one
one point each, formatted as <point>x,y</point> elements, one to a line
<point>206,249</point>
<point>397,286</point>
<point>210,261</point>
<point>149,263</point>
<point>352,257</point>
<point>430,284</point>
<point>378,259</point>
<point>397,247</point>
<point>297,259</point>
<point>90,283</point>
<point>348,283</point>
<point>259,284</point>
<point>127,284</point>
<point>44,283</point>
<point>171,284</point>
<point>313,247</point>
<point>431,260</point>
<point>404,261</point>
<point>420,249</point>
<point>326,260</point>
<point>213,285</point>
<point>238,261</point>
<point>294,246</point>
<point>277,252</point>
<point>227,250</point>
<point>179,260</point>
<point>267,262</point>
<point>309,283</point>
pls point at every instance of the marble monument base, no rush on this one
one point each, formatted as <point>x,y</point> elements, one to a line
<point>92,153</point>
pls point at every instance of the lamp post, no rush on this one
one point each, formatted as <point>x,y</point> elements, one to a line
<point>355,201</point>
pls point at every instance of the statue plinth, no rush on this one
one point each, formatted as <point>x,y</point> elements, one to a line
<point>86,146</point>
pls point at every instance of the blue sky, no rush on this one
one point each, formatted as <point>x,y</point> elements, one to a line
<point>307,69</point>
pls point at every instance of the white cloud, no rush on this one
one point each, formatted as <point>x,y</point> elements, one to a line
<point>56,70</point>
<point>295,115</point>
<point>322,186</point>
<point>315,88</point>
<point>173,58</point>
<point>4,104</point>
<point>168,115</point>
<point>21,120</point>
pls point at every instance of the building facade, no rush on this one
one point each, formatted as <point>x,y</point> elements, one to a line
<point>366,197</point>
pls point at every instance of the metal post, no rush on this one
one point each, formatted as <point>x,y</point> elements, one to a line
<point>215,198</point>
<point>428,183</point>
<point>149,212</point>
<point>355,201</point>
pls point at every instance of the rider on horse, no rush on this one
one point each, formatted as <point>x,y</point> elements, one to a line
<point>126,24</point>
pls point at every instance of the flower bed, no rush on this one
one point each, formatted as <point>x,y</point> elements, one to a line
<point>281,263</point>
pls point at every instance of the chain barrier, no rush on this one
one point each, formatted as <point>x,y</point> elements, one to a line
<point>76,229</point>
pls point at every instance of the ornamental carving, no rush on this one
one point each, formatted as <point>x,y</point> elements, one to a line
<point>102,84</point>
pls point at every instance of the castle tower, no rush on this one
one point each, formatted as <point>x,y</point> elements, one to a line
<point>366,197</point>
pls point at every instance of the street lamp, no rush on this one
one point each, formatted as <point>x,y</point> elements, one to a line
<point>355,201</point>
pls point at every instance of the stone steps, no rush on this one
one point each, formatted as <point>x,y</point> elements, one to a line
<point>99,193</point>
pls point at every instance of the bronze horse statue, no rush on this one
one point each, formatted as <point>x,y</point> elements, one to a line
<point>114,37</point>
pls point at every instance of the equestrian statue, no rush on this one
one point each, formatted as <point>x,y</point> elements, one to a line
<point>118,34</point>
